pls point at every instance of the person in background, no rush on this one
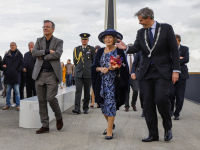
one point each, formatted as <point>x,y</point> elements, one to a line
<point>63,75</point>
<point>29,62</point>
<point>83,57</point>
<point>69,72</point>
<point>92,91</point>
<point>178,89</point>
<point>13,65</point>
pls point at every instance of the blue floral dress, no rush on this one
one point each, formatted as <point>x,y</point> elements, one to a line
<point>107,91</point>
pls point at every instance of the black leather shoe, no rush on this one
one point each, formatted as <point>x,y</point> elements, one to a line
<point>168,135</point>
<point>151,138</point>
<point>109,137</point>
<point>105,132</point>
<point>76,111</point>
<point>176,118</point>
<point>85,112</point>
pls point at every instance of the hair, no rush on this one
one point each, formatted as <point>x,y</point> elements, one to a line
<point>13,42</point>
<point>31,42</point>
<point>145,13</point>
<point>53,24</point>
<point>115,39</point>
<point>178,37</point>
<point>69,59</point>
<point>62,64</point>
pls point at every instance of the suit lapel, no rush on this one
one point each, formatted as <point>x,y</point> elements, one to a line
<point>44,42</point>
<point>53,41</point>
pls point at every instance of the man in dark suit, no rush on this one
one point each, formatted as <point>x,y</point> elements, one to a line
<point>83,59</point>
<point>133,84</point>
<point>178,89</point>
<point>135,75</point>
<point>29,62</point>
<point>157,69</point>
<point>47,74</point>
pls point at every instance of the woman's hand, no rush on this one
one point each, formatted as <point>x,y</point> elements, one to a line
<point>111,68</point>
<point>104,70</point>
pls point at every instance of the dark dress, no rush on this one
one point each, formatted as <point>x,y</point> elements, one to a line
<point>108,86</point>
<point>115,86</point>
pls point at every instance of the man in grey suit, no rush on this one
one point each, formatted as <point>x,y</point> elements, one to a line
<point>83,60</point>
<point>47,73</point>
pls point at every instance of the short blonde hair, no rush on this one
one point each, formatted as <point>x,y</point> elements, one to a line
<point>114,37</point>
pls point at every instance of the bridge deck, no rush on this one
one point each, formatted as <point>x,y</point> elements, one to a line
<point>85,131</point>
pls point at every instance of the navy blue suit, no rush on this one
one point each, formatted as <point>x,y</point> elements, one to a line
<point>156,79</point>
<point>136,69</point>
<point>178,89</point>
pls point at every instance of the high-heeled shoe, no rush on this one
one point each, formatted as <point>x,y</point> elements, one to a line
<point>105,132</point>
<point>109,137</point>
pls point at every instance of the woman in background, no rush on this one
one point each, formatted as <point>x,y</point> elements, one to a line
<point>63,75</point>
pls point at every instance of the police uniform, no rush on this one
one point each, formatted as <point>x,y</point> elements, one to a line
<point>83,60</point>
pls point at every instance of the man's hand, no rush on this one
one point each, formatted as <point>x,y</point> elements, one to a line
<point>175,76</point>
<point>52,51</point>
<point>121,45</point>
<point>111,68</point>
<point>181,57</point>
<point>39,57</point>
<point>133,76</point>
<point>4,66</point>
<point>24,69</point>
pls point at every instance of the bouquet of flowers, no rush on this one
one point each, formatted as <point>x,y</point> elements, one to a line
<point>116,62</point>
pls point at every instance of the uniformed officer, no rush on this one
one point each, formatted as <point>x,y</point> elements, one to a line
<point>83,59</point>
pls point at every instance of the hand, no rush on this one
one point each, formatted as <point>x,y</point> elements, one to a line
<point>4,66</point>
<point>121,45</point>
<point>133,76</point>
<point>40,58</point>
<point>175,76</point>
<point>104,70</point>
<point>52,51</point>
<point>181,57</point>
<point>111,68</point>
<point>24,69</point>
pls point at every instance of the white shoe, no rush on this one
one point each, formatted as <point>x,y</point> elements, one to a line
<point>13,105</point>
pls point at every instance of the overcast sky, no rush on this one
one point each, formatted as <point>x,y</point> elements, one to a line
<point>21,21</point>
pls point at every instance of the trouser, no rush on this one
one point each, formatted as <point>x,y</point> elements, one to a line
<point>141,94</point>
<point>86,83</point>
<point>68,79</point>
<point>134,86</point>
<point>21,90</point>
<point>47,89</point>
<point>30,86</point>
<point>177,91</point>
<point>16,93</point>
<point>155,90</point>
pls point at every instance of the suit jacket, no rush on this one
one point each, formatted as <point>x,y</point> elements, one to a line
<point>184,52</point>
<point>161,55</point>
<point>1,64</point>
<point>121,81</point>
<point>54,58</point>
<point>29,62</point>
<point>82,68</point>
<point>136,63</point>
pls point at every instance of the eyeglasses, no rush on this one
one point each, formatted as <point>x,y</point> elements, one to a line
<point>46,27</point>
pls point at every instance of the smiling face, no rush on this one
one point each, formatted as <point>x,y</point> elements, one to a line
<point>146,23</point>
<point>109,40</point>
<point>47,28</point>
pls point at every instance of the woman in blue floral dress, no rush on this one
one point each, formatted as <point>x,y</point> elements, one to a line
<point>109,84</point>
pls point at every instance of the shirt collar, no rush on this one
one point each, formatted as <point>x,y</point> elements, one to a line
<point>49,39</point>
<point>154,25</point>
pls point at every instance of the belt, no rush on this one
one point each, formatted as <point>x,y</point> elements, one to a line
<point>47,70</point>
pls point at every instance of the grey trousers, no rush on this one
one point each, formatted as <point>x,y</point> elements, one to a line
<point>80,83</point>
<point>47,88</point>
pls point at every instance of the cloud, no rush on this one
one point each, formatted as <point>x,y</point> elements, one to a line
<point>91,12</point>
